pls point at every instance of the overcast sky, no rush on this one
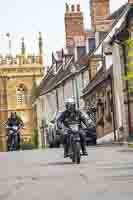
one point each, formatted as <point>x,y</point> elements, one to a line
<point>28,17</point>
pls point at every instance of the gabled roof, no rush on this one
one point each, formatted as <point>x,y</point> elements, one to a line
<point>100,77</point>
<point>52,81</point>
<point>120,25</point>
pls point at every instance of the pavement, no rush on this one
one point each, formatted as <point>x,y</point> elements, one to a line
<point>105,174</point>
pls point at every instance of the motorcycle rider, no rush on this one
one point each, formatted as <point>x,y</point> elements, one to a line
<point>72,115</point>
<point>14,120</point>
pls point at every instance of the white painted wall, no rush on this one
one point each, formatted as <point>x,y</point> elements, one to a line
<point>85,78</point>
<point>47,105</point>
<point>118,86</point>
<point>38,106</point>
<point>68,89</point>
<point>108,61</point>
<point>50,106</point>
<point>61,98</point>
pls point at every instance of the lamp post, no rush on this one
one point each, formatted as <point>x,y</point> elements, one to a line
<point>75,85</point>
<point>43,138</point>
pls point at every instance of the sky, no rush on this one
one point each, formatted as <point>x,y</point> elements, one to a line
<point>28,17</point>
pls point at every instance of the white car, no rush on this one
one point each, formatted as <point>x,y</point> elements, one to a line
<point>54,138</point>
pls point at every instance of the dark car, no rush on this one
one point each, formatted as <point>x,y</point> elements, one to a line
<point>91,136</point>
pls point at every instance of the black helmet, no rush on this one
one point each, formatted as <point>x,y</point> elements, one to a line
<point>70,104</point>
<point>13,115</point>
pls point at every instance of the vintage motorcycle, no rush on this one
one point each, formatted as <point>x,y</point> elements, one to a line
<point>74,144</point>
<point>13,138</point>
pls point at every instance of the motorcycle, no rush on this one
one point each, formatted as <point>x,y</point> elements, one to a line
<point>74,144</point>
<point>13,135</point>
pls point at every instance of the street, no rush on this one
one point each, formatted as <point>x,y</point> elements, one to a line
<point>106,173</point>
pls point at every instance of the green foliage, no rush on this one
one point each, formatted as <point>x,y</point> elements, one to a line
<point>34,138</point>
<point>128,43</point>
<point>32,142</point>
<point>26,144</point>
<point>26,141</point>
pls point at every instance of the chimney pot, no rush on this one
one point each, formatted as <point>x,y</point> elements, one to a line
<point>78,7</point>
<point>73,8</point>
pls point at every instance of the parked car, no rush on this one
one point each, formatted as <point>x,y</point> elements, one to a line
<point>54,137</point>
<point>91,136</point>
<point>90,132</point>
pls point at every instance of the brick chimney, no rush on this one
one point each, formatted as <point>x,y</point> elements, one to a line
<point>74,23</point>
<point>130,1</point>
<point>99,10</point>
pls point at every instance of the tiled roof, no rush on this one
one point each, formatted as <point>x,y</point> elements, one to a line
<point>52,80</point>
<point>100,77</point>
<point>118,12</point>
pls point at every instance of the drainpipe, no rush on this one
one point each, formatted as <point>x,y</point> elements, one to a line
<point>57,99</point>
<point>56,94</point>
<point>75,90</point>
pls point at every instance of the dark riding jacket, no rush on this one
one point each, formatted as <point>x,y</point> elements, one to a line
<point>66,118</point>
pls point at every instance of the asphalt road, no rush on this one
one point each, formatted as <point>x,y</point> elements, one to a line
<point>107,173</point>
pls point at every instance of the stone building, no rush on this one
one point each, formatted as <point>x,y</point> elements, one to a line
<point>17,78</point>
<point>68,74</point>
<point>121,42</point>
<point>104,89</point>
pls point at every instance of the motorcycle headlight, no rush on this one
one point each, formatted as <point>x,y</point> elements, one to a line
<point>10,131</point>
<point>15,128</point>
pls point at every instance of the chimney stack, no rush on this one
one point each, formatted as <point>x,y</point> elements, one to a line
<point>78,7</point>
<point>99,10</point>
<point>130,1</point>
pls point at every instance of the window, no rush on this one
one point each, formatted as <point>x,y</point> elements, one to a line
<point>81,51</point>
<point>21,95</point>
<point>92,43</point>
<point>70,50</point>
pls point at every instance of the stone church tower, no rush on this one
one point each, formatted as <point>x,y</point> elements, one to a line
<point>18,75</point>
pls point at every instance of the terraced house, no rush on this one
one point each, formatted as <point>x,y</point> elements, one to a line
<point>91,70</point>
<point>107,89</point>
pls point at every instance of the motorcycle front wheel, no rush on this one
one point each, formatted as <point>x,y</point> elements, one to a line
<point>76,157</point>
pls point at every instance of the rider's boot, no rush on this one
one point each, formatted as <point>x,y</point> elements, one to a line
<point>83,147</point>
